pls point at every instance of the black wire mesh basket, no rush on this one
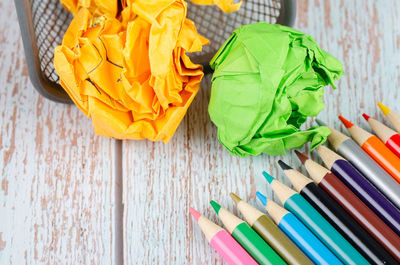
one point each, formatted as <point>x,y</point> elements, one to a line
<point>44,22</point>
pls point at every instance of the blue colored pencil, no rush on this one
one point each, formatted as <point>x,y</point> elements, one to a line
<point>299,233</point>
<point>314,221</point>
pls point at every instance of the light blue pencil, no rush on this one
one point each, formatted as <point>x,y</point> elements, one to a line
<point>299,233</point>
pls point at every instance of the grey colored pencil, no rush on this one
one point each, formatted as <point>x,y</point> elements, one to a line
<point>350,150</point>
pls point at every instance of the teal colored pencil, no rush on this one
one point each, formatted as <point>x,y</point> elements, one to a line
<point>299,233</point>
<point>310,217</point>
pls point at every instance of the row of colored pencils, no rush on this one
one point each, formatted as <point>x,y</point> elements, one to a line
<point>345,213</point>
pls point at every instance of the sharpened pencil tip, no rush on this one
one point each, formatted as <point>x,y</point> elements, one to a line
<point>262,198</point>
<point>235,198</point>
<point>284,166</point>
<point>194,213</point>
<point>383,108</point>
<point>302,157</point>
<point>268,177</point>
<point>215,206</point>
<point>366,117</point>
<point>322,148</point>
<point>345,122</point>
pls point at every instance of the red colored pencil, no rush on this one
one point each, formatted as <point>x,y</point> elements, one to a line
<point>375,148</point>
<point>388,136</point>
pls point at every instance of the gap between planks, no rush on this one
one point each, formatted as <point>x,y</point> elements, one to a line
<point>118,209</point>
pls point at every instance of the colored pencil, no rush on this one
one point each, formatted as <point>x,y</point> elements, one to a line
<point>223,242</point>
<point>267,229</point>
<point>247,237</point>
<point>303,210</point>
<point>392,116</point>
<point>388,136</point>
<point>299,233</point>
<point>353,205</point>
<point>347,148</point>
<point>367,192</point>
<point>375,148</point>
<point>337,217</point>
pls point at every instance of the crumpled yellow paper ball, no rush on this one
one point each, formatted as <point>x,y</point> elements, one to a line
<point>228,6</point>
<point>132,76</point>
<point>110,7</point>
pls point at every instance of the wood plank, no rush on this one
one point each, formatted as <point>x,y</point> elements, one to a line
<point>365,36</point>
<point>162,181</point>
<point>57,185</point>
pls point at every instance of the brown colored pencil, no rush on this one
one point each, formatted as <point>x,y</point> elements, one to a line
<point>350,150</point>
<point>338,217</point>
<point>353,205</point>
<point>361,187</point>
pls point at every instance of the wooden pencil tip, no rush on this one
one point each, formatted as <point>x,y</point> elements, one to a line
<point>262,198</point>
<point>215,206</point>
<point>268,177</point>
<point>366,117</point>
<point>302,157</point>
<point>235,198</point>
<point>345,122</point>
<point>383,108</point>
<point>328,156</point>
<point>284,166</point>
<point>322,149</point>
<point>194,213</point>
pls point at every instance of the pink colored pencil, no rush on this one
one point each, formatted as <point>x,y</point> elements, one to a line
<point>223,242</point>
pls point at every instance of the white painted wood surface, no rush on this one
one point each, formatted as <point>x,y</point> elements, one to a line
<point>56,174</point>
<point>57,190</point>
<point>162,181</point>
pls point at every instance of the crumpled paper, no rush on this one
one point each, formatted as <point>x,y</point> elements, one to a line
<point>110,7</point>
<point>268,79</point>
<point>132,76</point>
<point>228,6</point>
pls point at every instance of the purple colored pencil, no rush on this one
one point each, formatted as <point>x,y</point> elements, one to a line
<point>367,192</point>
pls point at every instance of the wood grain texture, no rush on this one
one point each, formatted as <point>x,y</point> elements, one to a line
<point>56,175</point>
<point>57,188</point>
<point>162,181</point>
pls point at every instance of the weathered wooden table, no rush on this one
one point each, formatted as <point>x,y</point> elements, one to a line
<point>61,184</point>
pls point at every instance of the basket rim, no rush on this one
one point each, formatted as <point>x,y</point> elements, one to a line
<point>54,91</point>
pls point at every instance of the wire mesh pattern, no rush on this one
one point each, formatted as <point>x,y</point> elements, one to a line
<point>217,26</point>
<point>50,21</point>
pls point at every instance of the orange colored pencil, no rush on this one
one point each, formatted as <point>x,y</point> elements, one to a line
<point>392,116</point>
<point>375,148</point>
<point>388,136</point>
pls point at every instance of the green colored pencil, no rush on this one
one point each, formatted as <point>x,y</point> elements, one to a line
<point>247,237</point>
<point>270,232</point>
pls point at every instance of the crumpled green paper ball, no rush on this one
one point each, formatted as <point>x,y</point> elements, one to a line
<point>268,79</point>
